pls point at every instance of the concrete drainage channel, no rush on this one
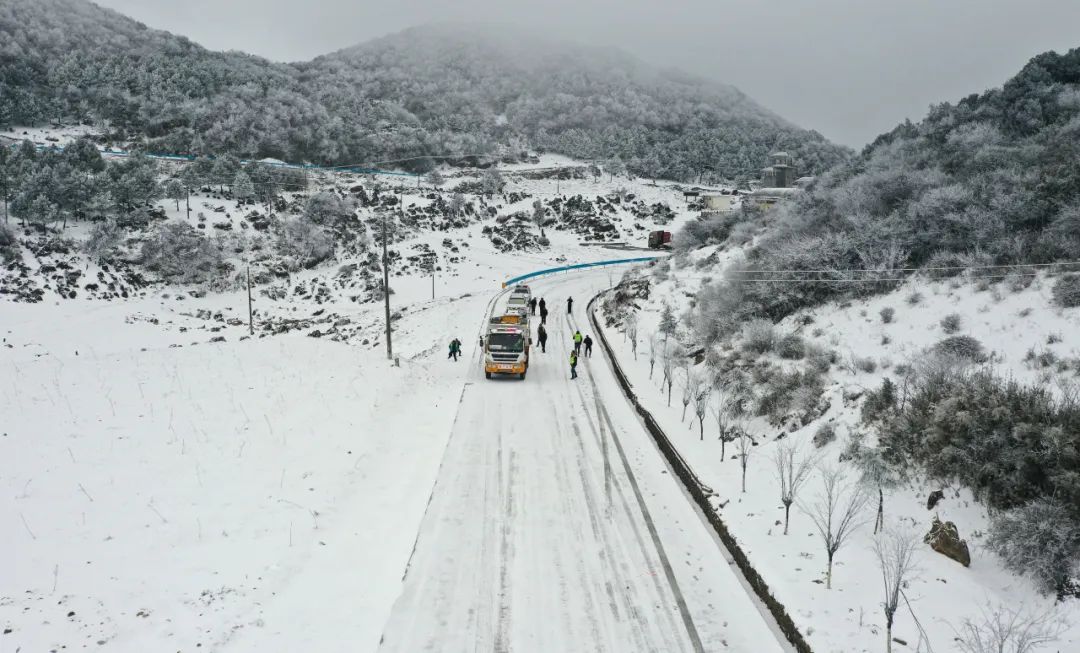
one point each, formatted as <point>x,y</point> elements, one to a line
<point>700,493</point>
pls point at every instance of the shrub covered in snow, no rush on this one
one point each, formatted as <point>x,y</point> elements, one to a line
<point>304,242</point>
<point>759,336</point>
<point>791,346</point>
<point>178,252</point>
<point>887,314</point>
<point>1066,291</point>
<point>951,323</point>
<point>963,347</point>
<point>1011,444</point>
<point>8,242</point>
<point>825,434</point>
<point>103,240</point>
<point>1040,539</point>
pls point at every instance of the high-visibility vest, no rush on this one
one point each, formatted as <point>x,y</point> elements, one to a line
<point>577,337</point>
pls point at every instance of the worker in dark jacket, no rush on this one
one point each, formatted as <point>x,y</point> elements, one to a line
<point>532,306</point>
<point>543,312</point>
<point>543,306</point>
<point>541,337</point>
<point>569,305</point>
<point>573,364</point>
<point>455,349</point>
<point>588,346</point>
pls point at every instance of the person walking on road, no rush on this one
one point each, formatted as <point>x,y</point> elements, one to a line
<point>543,312</point>
<point>532,306</point>
<point>573,365</point>
<point>569,305</point>
<point>588,346</point>
<point>541,337</point>
<point>577,342</point>
<point>455,349</point>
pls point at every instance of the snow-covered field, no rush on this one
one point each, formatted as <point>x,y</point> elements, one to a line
<point>171,483</point>
<point>942,593</point>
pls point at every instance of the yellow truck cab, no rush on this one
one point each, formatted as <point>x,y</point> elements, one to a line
<point>507,345</point>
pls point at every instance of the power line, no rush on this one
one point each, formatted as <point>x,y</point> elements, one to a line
<point>894,270</point>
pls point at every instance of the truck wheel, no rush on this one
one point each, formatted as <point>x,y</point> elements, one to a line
<point>522,376</point>
<point>487,374</point>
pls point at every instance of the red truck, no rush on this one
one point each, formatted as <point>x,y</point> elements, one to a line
<point>659,239</point>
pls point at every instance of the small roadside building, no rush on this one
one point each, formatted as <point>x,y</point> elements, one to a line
<point>766,197</point>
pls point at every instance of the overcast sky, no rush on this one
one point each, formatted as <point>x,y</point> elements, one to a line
<point>850,69</point>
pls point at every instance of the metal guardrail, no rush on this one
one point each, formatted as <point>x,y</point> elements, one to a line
<point>700,493</point>
<point>578,266</point>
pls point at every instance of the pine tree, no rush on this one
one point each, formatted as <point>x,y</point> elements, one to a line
<point>174,190</point>
<point>242,187</point>
<point>668,325</point>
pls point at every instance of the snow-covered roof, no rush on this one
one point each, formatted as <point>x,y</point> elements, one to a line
<point>775,192</point>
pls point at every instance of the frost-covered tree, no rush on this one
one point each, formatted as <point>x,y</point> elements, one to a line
<point>105,236</point>
<point>836,513</point>
<point>691,385</point>
<point>631,323</point>
<point>668,324</point>
<point>328,209</point>
<point>653,340</point>
<point>670,356</point>
<point>243,188</point>
<point>1040,539</point>
<point>539,213</point>
<point>224,170</point>
<point>744,444</point>
<point>895,553</point>
<point>457,204</point>
<point>492,181</point>
<point>1004,629</point>
<point>435,178</point>
<point>175,191</point>
<point>792,468</point>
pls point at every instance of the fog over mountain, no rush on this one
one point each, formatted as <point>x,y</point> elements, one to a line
<point>430,91</point>
<point>847,68</point>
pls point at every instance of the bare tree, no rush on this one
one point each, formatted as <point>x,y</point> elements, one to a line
<point>1008,630</point>
<point>691,385</point>
<point>632,331</point>
<point>895,552</point>
<point>720,409</point>
<point>701,409</point>
<point>877,474</point>
<point>653,339</point>
<point>670,355</point>
<point>792,470</point>
<point>836,513</point>
<point>745,446</point>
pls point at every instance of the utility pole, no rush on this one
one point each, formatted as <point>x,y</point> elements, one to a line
<point>251,323</point>
<point>386,288</point>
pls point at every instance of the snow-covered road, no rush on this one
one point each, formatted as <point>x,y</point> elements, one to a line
<point>554,524</point>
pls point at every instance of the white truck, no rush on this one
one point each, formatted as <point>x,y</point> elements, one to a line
<point>507,344</point>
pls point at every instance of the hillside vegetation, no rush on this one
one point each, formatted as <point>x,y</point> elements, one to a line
<point>424,92</point>
<point>991,180</point>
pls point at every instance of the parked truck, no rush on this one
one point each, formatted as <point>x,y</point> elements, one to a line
<point>507,344</point>
<point>659,239</point>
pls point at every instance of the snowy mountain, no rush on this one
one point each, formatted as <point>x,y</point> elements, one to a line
<point>431,91</point>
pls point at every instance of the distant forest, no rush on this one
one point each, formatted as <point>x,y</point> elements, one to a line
<point>424,92</point>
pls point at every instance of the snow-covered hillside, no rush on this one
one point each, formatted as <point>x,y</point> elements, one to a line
<point>1023,336</point>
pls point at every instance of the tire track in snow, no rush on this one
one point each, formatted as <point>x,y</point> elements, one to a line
<point>669,573</point>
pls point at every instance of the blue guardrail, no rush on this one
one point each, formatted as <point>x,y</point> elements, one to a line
<point>579,266</point>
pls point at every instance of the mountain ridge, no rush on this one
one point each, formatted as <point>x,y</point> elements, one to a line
<point>423,92</point>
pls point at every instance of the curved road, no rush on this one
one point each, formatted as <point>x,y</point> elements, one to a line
<point>554,524</point>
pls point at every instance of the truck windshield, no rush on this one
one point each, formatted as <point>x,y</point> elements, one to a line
<point>506,342</point>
